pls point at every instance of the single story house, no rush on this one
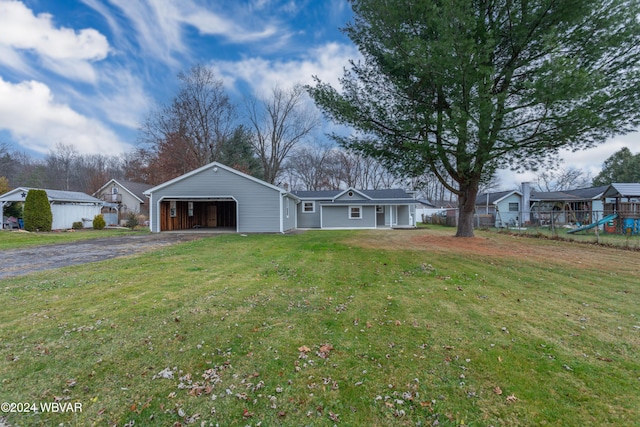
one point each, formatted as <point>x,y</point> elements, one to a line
<point>516,208</point>
<point>220,197</point>
<point>502,208</point>
<point>352,208</point>
<point>123,197</point>
<point>578,206</point>
<point>67,207</point>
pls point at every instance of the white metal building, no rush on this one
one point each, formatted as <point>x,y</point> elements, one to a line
<point>67,207</point>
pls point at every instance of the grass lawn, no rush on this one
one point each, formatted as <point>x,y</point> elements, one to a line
<point>20,239</point>
<point>370,328</point>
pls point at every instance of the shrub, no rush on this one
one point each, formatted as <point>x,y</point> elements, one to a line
<point>37,211</point>
<point>132,220</point>
<point>77,225</point>
<point>98,222</point>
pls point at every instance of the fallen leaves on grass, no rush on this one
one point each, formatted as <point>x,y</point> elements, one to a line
<point>512,398</point>
<point>324,351</point>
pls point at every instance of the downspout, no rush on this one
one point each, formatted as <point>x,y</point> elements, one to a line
<point>2,214</point>
<point>281,213</point>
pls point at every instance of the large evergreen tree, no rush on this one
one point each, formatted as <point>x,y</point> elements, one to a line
<point>37,211</point>
<point>464,87</point>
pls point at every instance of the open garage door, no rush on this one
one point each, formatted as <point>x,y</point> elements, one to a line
<point>182,214</point>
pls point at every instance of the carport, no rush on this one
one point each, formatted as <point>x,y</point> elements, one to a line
<point>189,214</point>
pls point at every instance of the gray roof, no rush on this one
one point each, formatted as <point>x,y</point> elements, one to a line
<point>481,199</point>
<point>317,195</point>
<point>623,190</point>
<point>569,195</point>
<point>588,193</point>
<point>393,194</point>
<point>20,194</point>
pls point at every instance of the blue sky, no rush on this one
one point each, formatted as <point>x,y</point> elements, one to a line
<point>86,73</point>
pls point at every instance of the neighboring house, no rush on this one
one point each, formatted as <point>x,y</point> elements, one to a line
<point>67,207</point>
<point>579,206</point>
<point>122,198</point>
<point>352,208</point>
<point>217,196</point>
<point>527,206</point>
<point>503,207</point>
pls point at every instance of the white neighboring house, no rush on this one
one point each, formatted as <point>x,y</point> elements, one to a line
<point>67,207</point>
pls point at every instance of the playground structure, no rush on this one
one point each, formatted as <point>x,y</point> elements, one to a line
<point>624,201</point>
<point>603,221</point>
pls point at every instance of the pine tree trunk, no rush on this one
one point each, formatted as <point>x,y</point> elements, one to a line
<point>466,209</point>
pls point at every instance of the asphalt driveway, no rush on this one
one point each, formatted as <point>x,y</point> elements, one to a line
<point>17,262</point>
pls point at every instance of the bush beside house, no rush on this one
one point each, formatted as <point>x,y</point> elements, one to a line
<point>98,222</point>
<point>37,211</point>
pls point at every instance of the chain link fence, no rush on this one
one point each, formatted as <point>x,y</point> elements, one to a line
<point>597,226</point>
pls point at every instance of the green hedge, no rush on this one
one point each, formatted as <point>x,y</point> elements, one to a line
<point>37,211</point>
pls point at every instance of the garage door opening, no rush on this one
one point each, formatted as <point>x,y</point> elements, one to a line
<point>198,214</point>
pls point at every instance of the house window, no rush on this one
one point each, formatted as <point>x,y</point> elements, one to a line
<point>350,193</point>
<point>287,211</point>
<point>514,207</point>
<point>379,209</point>
<point>355,212</point>
<point>114,190</point>
<point>190,208</point>
<point>309,207</point>
<point>172,208</point>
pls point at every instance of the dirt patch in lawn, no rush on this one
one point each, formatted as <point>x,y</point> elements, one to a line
<point>578,255</point>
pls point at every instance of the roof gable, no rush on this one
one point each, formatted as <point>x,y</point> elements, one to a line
<point>620,189</point>
<point>495,198</point>
<point>136,189</point>
<point>372,195</point>
<point>214,166</point>
<point>350,194</point>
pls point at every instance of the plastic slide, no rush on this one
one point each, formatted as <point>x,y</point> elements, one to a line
<point>588,226</point>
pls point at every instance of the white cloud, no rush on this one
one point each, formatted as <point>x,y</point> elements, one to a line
<point>160,25</point>
<point>327,62</point>
<point>29,112</point>
<point>209,23</point>
<point>62,50</point>
<point>21,29</point>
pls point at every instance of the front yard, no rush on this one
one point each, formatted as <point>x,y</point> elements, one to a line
<point>371,328</point>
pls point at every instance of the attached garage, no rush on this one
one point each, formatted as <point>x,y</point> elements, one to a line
<point>180,214</point>
<point>218,197</point>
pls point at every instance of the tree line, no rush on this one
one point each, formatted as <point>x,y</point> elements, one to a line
<point>274,140</point>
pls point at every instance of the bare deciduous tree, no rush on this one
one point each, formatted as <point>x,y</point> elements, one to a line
<point>279,123</point>
<point>197,122</point>
<point>563,179</point>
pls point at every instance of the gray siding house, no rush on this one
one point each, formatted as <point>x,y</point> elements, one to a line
<point>217,196</point>
<point>353,209</point>
<point>505,207</point>
<point>122,198</point>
